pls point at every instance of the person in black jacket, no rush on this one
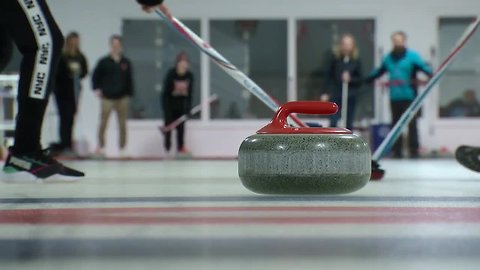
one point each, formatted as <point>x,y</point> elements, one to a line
<point>177,99</point>
<point>72,68</point>
<point>113,83</point>
<point>343,65</point>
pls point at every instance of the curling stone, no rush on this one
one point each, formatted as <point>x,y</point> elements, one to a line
<point>280,159</point>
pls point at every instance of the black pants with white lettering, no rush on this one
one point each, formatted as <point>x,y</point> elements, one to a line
<point>29,23</point>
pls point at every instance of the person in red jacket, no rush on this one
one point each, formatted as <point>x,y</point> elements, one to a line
<point>30,25</point>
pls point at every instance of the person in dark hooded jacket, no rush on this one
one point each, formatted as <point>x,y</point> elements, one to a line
<point>177,99</point>
<point>344,66</point>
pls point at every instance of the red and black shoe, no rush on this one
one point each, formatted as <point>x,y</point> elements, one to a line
<point>377,172</point>
<point>36,166</point>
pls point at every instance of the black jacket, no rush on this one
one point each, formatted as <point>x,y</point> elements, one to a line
<point>115,80</point>
<point>69,67</point>
<point>177,91</point>
<point>150,2</point>
<point>335,67</point>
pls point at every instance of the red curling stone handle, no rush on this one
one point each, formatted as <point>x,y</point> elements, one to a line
<point>279,123</point>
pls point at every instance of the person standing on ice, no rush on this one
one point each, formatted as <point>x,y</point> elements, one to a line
<point>343,66</point>
<point>30,25</point>
<point>402,65</point>
<point>72,68</point>
<point>112,80</point>
<point>177,99</point>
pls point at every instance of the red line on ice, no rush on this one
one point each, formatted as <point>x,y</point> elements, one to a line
<point>241,215</point>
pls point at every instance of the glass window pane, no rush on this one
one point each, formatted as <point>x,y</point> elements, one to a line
<point>315,42</point>
<point>153,48</point>
<point>459,88</point>
<point>259,49</point>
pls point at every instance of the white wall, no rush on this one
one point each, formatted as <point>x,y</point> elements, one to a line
<point>97,20</point>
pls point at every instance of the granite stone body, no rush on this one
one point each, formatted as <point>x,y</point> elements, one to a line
<point>304,163</point>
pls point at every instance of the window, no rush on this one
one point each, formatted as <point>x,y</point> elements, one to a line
<point>315,42</point>
<point>259,49</point>
<point>153,48</point>
<point>460,86</point>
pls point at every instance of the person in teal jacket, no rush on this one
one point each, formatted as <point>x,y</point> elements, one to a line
<point>402,65</point>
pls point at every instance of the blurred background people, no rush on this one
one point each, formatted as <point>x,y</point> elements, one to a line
<point>465,106</point>
<point>177,99</point>
<point>343,65</point>
<point>113,84</point>
<point>402,65</point>
<point>72,68</point>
